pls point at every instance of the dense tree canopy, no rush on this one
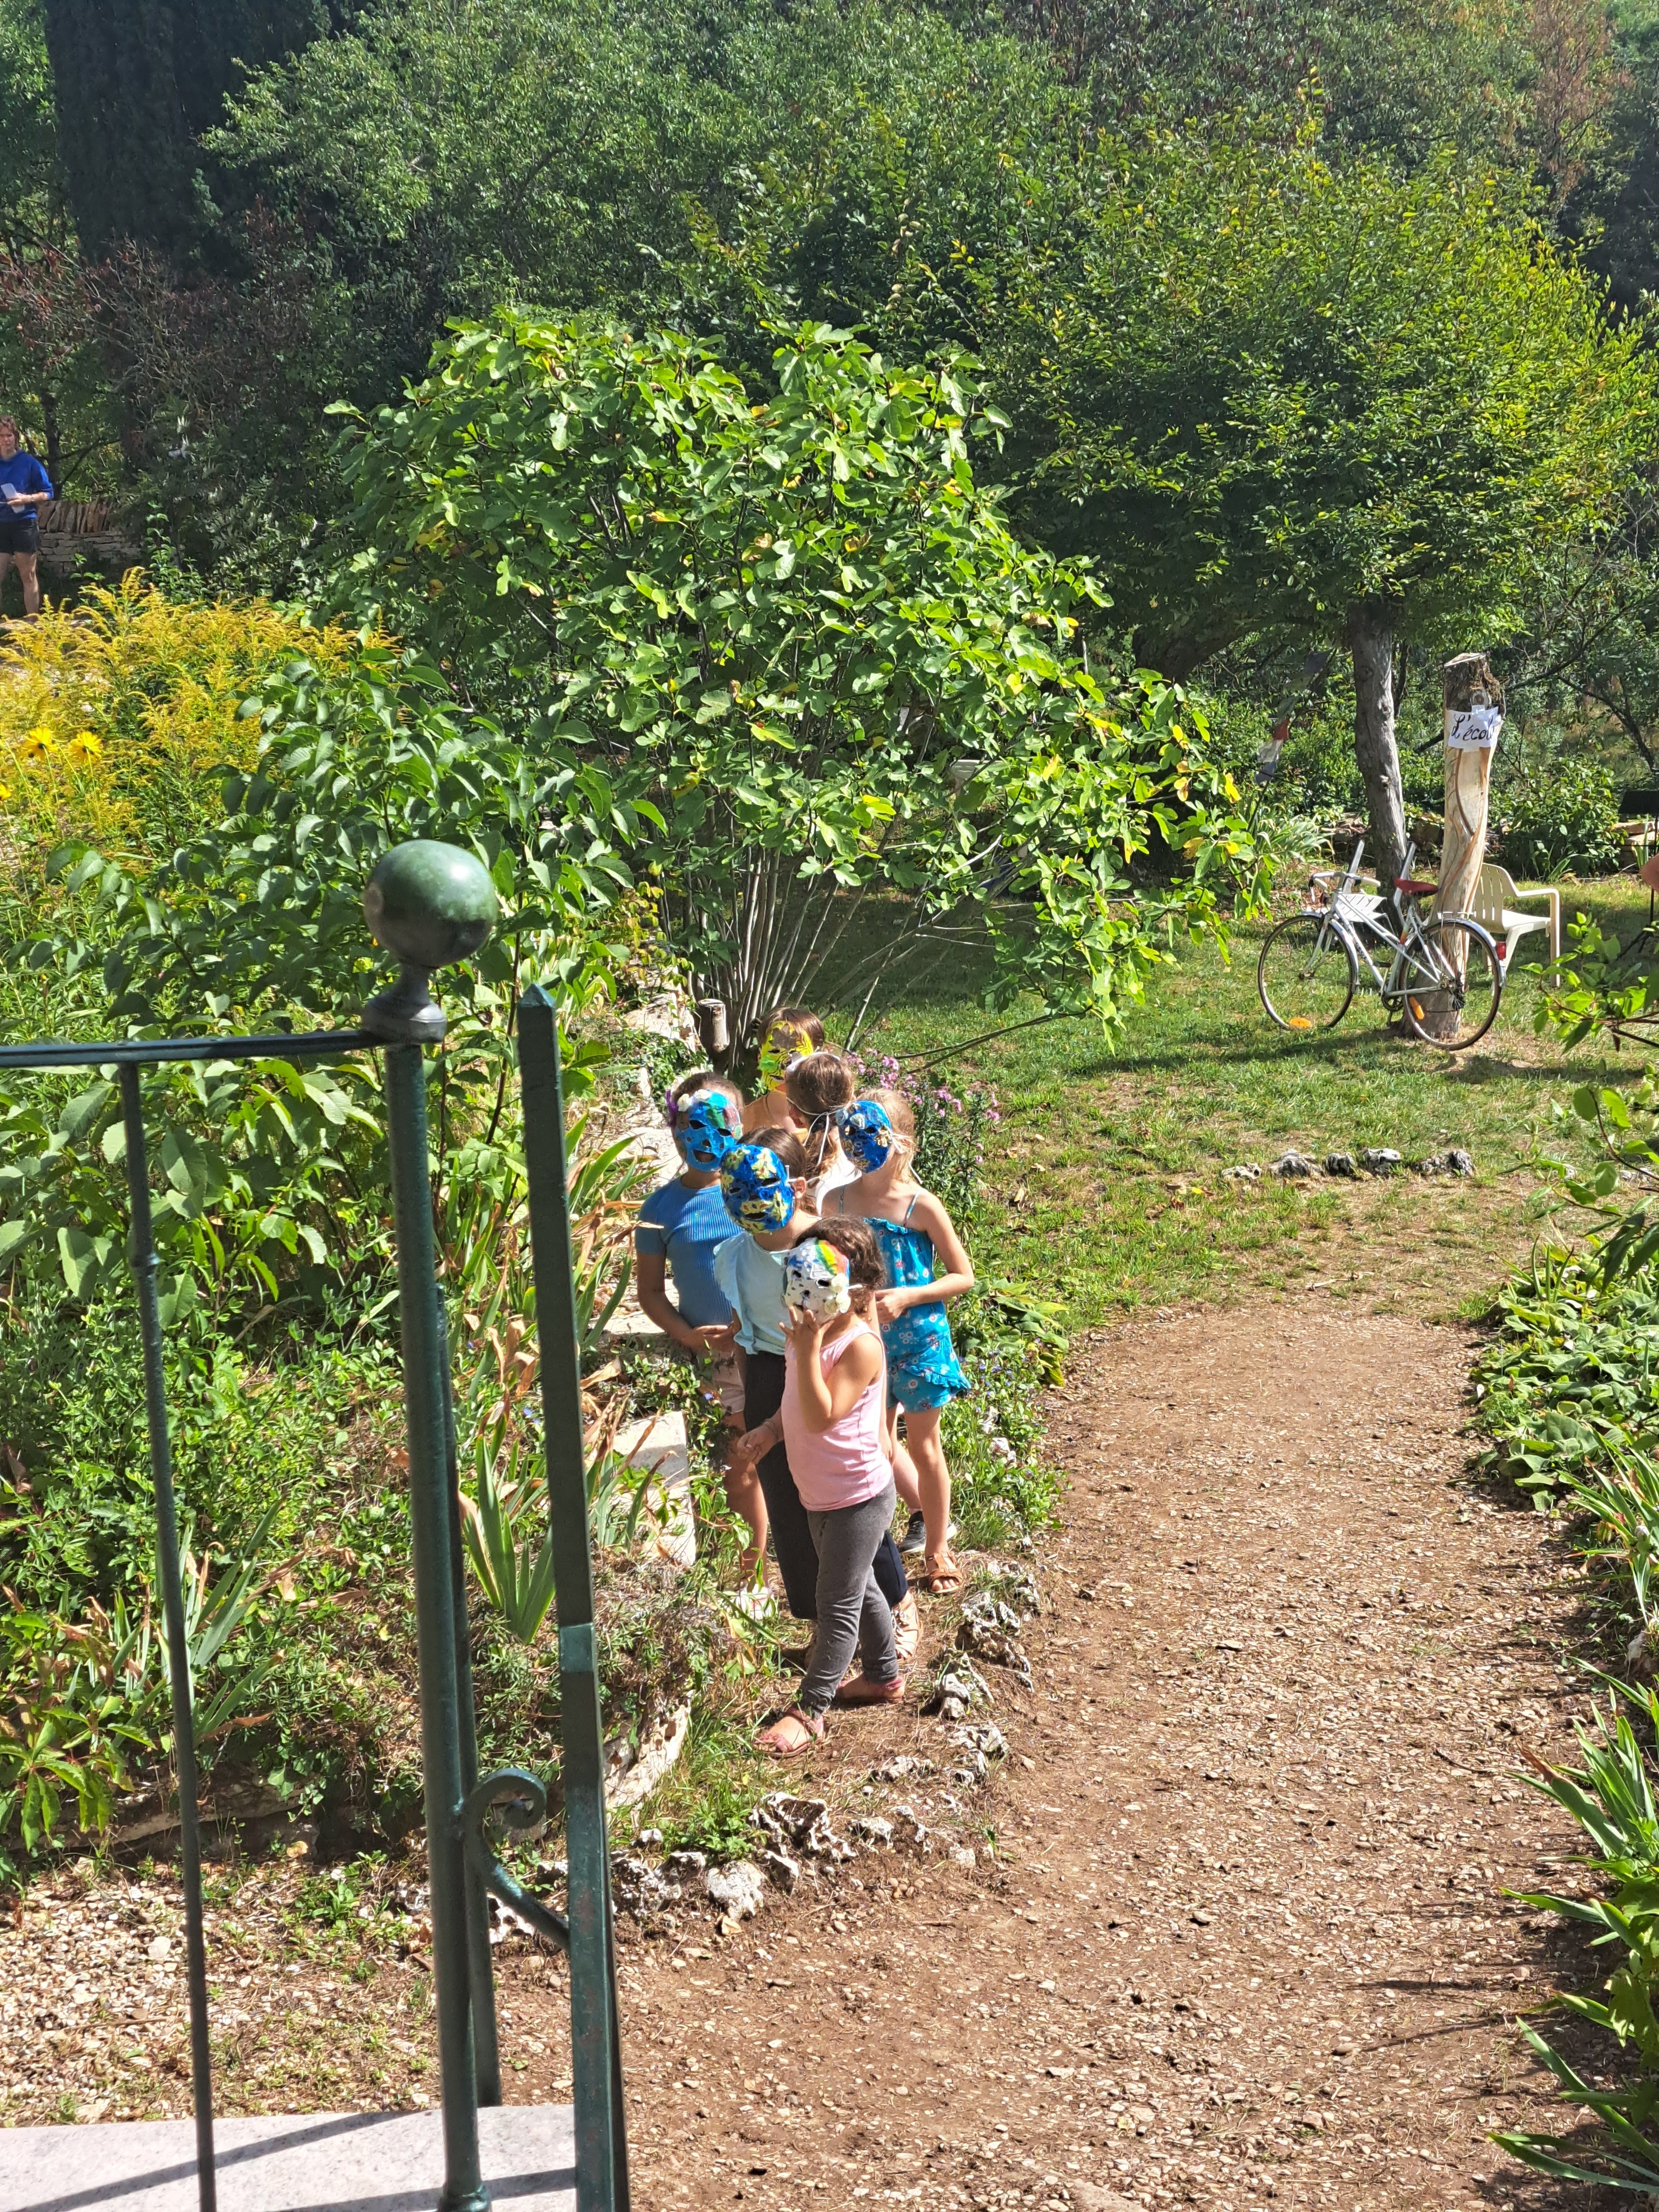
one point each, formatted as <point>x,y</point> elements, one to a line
<point>801,631</point>
<point>1270,391</point>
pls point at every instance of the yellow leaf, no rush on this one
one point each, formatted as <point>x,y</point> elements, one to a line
<point>1229,788</point>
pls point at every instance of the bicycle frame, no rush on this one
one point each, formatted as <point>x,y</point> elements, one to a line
<point>1405,968</point>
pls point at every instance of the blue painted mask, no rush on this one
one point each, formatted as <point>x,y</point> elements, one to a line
<point>867,1134</point>
<point>706,1127</point>
<point>756,1187</point>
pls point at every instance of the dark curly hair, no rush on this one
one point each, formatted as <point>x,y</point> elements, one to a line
<point>856,1240</point>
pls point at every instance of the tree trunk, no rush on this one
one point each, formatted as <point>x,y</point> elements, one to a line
<point>1371,641</point>
<point>54,442</point>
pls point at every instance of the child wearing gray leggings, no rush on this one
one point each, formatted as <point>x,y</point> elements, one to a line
<point>832,1420</point>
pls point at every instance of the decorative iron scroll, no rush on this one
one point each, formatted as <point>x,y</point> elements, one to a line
<point>522,1803</point>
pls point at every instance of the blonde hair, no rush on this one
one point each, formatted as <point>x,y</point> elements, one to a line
<point>897,1107</point>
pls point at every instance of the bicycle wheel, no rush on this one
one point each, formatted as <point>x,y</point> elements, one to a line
<point>1453,984</point>
<point>1306,973</point>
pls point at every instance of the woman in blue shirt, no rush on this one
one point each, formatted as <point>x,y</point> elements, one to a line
<point>25,489</point>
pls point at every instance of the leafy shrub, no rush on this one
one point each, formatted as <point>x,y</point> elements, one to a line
<point>1571,1377</point>
<point>1562,822</point>
<point>1001,1485</point>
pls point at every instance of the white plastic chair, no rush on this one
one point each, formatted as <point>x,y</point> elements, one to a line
<point>1496,904</point>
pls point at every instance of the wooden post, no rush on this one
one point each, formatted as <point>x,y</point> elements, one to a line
<point>1473,718</point>
<point>1474,702</point>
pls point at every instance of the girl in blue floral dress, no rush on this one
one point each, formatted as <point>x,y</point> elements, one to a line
<point>915,1232</point>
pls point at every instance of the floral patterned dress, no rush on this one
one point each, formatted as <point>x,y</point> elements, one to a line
<point>922,1367</point>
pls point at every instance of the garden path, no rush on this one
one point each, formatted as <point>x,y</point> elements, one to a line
<point>1244,1937</point>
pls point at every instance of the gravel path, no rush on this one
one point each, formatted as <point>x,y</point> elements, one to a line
<point>1245,1940</point>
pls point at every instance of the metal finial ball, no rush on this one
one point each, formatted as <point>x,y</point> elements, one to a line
<point>430,904</point>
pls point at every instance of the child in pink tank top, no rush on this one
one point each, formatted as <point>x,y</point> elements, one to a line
<point>833,1420</point>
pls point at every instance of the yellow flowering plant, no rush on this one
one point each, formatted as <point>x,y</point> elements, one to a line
<point>118,713</point>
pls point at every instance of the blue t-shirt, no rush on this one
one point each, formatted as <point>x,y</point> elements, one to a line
<point>687,1227</point>
<point>22,472</point>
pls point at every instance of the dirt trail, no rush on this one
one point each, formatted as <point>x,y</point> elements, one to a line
<point>1244,1939</point>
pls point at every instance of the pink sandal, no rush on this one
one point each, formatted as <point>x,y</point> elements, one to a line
<point>792,1734</point>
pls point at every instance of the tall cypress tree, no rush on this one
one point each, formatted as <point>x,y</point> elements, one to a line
<point>135,84</point>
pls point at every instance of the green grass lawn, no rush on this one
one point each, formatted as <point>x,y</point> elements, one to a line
<point>1105,1186</point>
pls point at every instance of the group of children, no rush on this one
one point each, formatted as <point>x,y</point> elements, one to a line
<point>806,1260</point>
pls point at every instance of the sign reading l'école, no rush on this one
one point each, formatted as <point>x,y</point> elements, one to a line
<point>1475,730</point>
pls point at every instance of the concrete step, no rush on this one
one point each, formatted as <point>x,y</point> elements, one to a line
<point>324,2163</point>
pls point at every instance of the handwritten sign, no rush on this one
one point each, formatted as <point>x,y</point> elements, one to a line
<point>1475,731</point>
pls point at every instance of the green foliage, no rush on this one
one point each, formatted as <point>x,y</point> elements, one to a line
<point>1572,1378</point>
<point>264,907</point>
<point>1605,987</point>
<point>1563,824</point>
<point>252,1167</point>
<point>818,659</point>
<point>1570,1398</point>
<point>1247,372</point>
<point>136,86</point>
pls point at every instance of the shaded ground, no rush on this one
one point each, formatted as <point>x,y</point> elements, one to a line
<point>1242,1936</point>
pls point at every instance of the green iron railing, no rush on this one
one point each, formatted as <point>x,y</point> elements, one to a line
<point>431,905</point>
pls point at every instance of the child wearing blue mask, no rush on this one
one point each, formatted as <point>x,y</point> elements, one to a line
<point>914,1231</point>
<point>680,1229</point>
<point>765,1185</point>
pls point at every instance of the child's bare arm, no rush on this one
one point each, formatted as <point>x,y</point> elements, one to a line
<point>751,1447</point>
<point>930,1215</point>
<point>651,1275</point>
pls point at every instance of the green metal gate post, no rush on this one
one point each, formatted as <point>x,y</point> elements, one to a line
<point>142,1260</point>
<point>486,2042</point>
<point>595,2043</point>
<point>434,1613</point>
<point>431,905</point>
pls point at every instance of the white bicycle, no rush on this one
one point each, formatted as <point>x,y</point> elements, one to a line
<point>1444,972</point>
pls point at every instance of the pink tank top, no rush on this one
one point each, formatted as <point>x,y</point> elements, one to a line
<point>846,1463</point>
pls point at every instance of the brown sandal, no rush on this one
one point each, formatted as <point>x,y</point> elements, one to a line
<point>776,1744</point>
<point>939,1575</point>
<point>859,1691</point>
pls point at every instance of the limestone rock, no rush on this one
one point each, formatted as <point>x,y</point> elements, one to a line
<point>896,1769</point>
<point>1342,1163</point>
<point>633,1772</point>
<point>1294,1166</point>
<point>780,1869</point>
<point>798,1823</point>
<point>739,1889</point>
<point>1379,1159</point>
<point>1015,1586</point>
